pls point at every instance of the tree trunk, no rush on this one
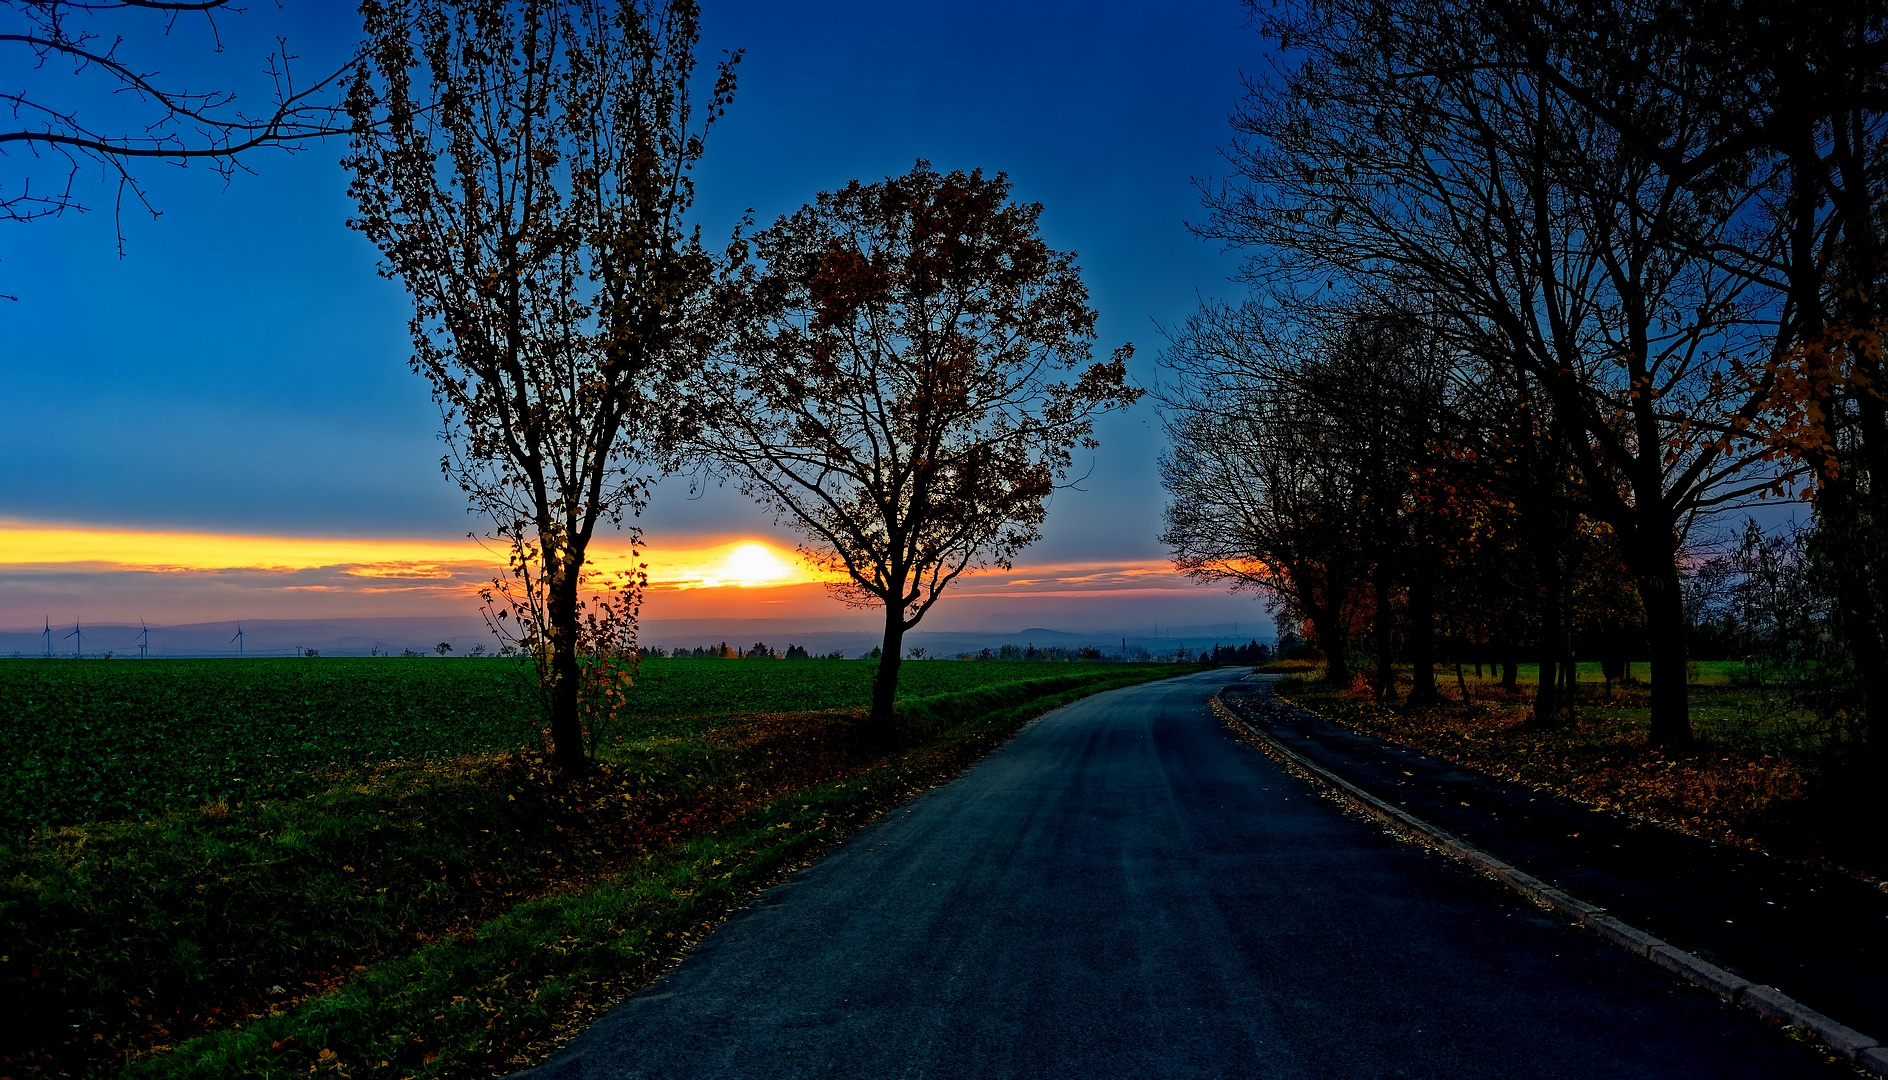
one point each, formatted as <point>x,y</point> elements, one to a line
<point>1545,702</point>
<point>885,680</point>
<point>1665,627</point>
<point>1386,655</point>
<point>1510,668</point>
<point>565,676</point>
<point>1422,642</point>
<point>1548,654</point>
<point>1852,516</point>
<point>1862,479</point>
<point>1331,644</point>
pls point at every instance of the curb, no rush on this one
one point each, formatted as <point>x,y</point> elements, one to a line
<point>1766,1001</point>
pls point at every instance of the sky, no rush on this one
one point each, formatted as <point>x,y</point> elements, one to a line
<point>221,424</point>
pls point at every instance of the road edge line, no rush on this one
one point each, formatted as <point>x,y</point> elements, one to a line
<point>1765,1001</point>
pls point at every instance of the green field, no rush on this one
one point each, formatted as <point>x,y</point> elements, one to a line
<point>1725,707</point>
<point>130,739</point>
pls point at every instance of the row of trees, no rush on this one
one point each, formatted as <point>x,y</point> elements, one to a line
<point>759,651</point>
<point>1539,284</point>
<point>1253,653</point>
<point>900,370</point>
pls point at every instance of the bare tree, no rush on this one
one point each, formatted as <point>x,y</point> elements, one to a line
<point>523,166</point>
<point>70,56</point>
<point>1794,116</point>
<point>908,376</point>
<point>1303,442</point>
<point>1257,500</point>
<point>1409,152</point>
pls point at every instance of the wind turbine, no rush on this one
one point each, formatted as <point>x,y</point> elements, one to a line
<point>78,650</point>
<point>144,638</point>
<point>238,639</point>
<point>48,637</point>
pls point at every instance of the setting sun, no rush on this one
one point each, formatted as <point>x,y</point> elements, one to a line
<point>745,564</point>
<point>756,564</point>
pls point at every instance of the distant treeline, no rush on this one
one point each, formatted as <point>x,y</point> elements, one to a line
<point>1251,653</point>
<point>759,651</point>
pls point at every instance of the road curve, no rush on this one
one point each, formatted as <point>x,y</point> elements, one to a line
<point>1125,890</point>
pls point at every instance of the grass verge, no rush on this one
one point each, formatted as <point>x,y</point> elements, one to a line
<point>334,934</point>
<point>1752,779</point>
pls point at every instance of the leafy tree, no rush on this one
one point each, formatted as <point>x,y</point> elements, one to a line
<point>524,168</point>
<point>1258,500</point>
<point>908,376</point>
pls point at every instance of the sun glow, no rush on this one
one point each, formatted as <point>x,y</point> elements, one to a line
<point>754,564</point>
<point>23,544</point>
<point>741,563</point>
<point>53,567</point>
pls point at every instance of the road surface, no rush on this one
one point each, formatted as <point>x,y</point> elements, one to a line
<point>1124,890</point>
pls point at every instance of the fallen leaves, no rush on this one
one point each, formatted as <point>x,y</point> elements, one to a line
<point>1597,758</point>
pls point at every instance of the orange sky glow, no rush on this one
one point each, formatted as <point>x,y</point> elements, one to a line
<point>184,576</point>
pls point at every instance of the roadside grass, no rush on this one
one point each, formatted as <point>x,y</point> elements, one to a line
<point>1760,775</point>
<point>111,740</point>
<point>453,917</point>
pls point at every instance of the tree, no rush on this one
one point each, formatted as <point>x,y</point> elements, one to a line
<point>1254,509</point>
<point>1795,127</point>
<point>1301,445</point>
<point>1413,153</point>
<point>909,372</point>
<point>524,168</point>
<point>68,59</point>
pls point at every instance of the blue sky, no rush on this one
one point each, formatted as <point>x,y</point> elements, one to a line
<point>242,369</point>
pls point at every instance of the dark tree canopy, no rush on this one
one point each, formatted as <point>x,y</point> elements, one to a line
<point>1653,232</point>
<point>1300,447</point>
<point>908,375</point>
<point>1411,149</point>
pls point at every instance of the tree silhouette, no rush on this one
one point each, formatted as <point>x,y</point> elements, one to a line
<point>524,169</point>
<point>1412,152</point>
<point>908,376</point>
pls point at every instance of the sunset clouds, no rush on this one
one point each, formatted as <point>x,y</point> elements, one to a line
<point>176,577</point>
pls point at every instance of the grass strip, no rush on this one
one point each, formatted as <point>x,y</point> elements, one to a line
<point>1760,789</point>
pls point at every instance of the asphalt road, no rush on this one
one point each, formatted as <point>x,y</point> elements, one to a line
<point>1127,891</point>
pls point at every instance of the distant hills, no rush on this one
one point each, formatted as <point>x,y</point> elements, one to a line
<point>363,637</point>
